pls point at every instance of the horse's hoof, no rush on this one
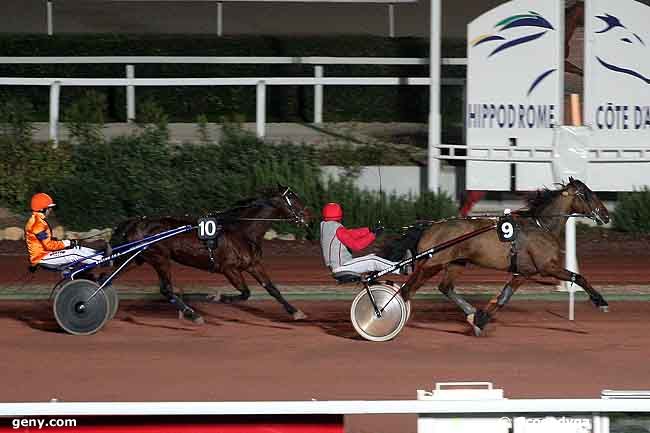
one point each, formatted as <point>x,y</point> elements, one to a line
<point>214,298</point>
<point>225,299</point>
<point>604,308</point>
<point>477,331</point>
<point>193,317</point>
<point>299,315</point>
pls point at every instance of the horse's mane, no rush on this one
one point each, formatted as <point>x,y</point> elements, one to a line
<point>539,199</point>
<point>261,200</point>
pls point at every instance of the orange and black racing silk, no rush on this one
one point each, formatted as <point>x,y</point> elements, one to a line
<point>38,236</point>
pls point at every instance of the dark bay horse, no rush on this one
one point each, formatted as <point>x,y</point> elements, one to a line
<point>238,250</point>
<point>538,249</point>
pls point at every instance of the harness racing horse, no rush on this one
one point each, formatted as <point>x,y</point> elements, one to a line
<point>238,249</point>
<point>537,250</point>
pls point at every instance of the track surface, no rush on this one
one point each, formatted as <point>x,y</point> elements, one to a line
<point>253,351</point>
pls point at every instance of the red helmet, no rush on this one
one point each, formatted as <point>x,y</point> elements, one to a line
<point>332,212</point>
<point>41,201</point>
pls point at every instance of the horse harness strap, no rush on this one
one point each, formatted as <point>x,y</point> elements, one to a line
<point>514,250</point>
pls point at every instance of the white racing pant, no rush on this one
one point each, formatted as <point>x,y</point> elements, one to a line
<point>60,258</point>
<point>369,263</point>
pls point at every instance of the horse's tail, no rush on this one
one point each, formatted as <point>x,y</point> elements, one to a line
<point>408,241</point>
<point>123,233</point>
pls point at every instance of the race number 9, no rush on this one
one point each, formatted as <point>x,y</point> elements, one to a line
<point>208,229</point>
<point>506,230</point>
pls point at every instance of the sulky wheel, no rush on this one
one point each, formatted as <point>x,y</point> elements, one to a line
<point>394,313</point>
<point>113,300</point>
<point>396,287</point>
<point>77,311</point>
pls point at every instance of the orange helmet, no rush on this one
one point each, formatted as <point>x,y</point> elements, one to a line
<point>41,201</point>
<point>332,212</point>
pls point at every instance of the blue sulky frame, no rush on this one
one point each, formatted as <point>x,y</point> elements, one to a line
<point>134,248</point>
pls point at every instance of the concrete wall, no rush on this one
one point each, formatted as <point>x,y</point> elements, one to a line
<point>401,180</point>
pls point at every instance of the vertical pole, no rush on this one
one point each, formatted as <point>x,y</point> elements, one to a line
<point>571,261</point>
<point>595,423</point>
<point>130,95</point>
<point>55,92</point>
<point>219,19</point>
<point>604,419</point>
<point>318,95</point>
<point>519,424</point>
<point>50,20</point>
<point>434,95</point>
<point>261,109</point>
<point>391,20</point>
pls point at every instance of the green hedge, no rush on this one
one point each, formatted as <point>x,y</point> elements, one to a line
<point>285,103</point>
<point>632,213</point>
<point>99,183</point>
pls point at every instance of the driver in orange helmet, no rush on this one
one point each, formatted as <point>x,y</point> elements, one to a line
<point>44,250</point>
<point>337,241</point>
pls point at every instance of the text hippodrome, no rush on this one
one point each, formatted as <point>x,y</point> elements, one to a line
<point>486,116</point>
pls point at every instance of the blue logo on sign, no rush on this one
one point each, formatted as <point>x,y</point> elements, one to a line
<point>531,19</point>
<point>613,24</point>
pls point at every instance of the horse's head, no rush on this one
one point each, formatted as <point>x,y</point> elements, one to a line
<point>291,205</point>
<point>585,201</point>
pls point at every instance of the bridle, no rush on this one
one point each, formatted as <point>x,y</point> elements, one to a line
<point>297,217</point>
<point>594,213</point>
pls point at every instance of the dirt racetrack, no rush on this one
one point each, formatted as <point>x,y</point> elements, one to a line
<point>252,351</point>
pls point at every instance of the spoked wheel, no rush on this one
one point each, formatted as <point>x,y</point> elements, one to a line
<point>77,311</point>
<point>113,300</point>
<point>393,313</point>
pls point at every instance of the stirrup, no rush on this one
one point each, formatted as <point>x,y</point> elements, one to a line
<point>344,277</point>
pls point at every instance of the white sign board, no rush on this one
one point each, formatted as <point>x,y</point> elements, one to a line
<point>617,87</point>
<point>515,88</point>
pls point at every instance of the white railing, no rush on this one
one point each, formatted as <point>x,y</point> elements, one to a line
<point>540,154</point>
<point>518,410</point>
<point>130,82</point>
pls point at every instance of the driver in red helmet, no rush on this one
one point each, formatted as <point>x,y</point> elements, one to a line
<point>44,250</point>
<point>337,241</point>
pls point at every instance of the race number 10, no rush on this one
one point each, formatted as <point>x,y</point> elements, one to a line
<point>208,228</point>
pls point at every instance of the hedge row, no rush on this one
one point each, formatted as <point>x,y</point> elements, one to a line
<point>285,103</point>
<point>98,183</point>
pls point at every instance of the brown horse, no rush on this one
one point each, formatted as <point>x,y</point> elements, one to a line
<point>238,249</point>
<point>538,249</point>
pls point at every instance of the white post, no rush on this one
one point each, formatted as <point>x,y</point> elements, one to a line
<point>595,423</point>
<point>434,95</point>
<point>130,95</point>
<point>391,20</point>
<point>519,424</point>
<point>571,262</point>
<point>50,20</point>
<point>318,95</point>
<point>261,109</point>
<point>55,91</point>
<point>219,19</point>
<point>604,420</point>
